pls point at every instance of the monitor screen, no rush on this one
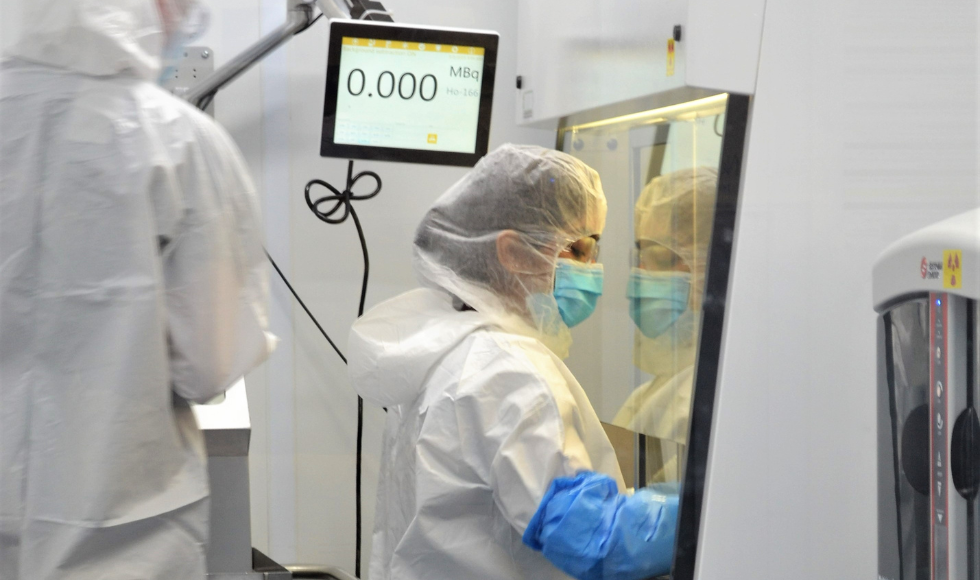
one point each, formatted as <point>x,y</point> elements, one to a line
<point>404,93</point>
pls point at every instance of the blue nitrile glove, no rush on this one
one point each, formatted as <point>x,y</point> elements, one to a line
<point>587,529</point>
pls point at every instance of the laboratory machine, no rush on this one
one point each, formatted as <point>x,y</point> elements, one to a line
<point>927,295</point>
<point>408,93</point>
<point>659,107</point>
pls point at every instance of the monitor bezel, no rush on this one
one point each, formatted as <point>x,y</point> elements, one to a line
<point>434,35</point>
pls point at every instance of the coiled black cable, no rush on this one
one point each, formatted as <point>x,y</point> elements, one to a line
<point>342,200</point>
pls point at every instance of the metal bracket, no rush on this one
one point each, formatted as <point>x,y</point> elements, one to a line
<point>299,15</point>
<point>194,68</point>
<point>369,10</point>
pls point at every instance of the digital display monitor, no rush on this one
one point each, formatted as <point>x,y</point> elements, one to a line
<point>405,93</point>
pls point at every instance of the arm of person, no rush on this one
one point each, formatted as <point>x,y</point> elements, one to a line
<point>545,483</point>
<point>214,271</point>
<point>590,531</point>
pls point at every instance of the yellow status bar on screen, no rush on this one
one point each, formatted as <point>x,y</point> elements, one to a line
<point>416,46</point>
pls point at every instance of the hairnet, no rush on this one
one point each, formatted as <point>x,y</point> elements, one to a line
<point>95,37</point>
<point>545,199</point>
<point>677,211</point>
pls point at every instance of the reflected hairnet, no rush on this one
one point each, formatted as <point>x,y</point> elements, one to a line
<point>677,211</point>
<point>546,199</point>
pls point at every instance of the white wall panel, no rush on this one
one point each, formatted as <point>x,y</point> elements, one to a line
<point>864,129</point>
<point>577,55</point>
<point>722,41</point>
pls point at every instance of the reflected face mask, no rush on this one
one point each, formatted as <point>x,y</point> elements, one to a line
<point>657,299</point>
<point>578,287</point>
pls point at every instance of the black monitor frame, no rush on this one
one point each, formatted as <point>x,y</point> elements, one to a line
<point>384,31</point>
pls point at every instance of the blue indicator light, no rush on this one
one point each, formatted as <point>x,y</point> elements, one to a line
<point>939,302</point>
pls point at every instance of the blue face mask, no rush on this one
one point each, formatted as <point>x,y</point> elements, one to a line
<point>657,299</point>
<point>578,287</point>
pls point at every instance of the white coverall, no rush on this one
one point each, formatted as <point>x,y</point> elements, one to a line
<point>131,281</point>
<point>480,421</point>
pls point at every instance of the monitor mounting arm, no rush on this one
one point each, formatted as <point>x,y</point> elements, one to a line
<point>299,16</point>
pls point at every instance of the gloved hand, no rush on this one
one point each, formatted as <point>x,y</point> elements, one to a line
<point>587,529</point>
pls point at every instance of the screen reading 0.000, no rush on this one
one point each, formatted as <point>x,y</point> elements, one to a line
<point>408,95</point>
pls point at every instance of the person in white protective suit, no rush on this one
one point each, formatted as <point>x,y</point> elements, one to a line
<point>131,282</point>
<point>495,465</point>
<point>672,222</point>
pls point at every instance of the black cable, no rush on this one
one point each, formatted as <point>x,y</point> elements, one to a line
<point>343,200</point>
<point>205,101</point>
<point>893,413</point>
<point>312,22</point>
<point>303,304</point>
<point>971,504</point>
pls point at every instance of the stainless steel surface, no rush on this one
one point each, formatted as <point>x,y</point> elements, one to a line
<point>227,428</point>
<point>270,569</point>
<point>299,15</point>
<point>226,424</point>
<point>333,9</point>
<point>368,13</point>
<point>250,576</point>
<point>319,572</point>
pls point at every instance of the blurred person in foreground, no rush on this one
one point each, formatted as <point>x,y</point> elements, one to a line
<point>131,282</point>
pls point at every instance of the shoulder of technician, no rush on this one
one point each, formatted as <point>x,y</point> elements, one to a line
<point>129,135</point>
<point>202,160</point>
<point>521,425</point>
<point>193,133</point>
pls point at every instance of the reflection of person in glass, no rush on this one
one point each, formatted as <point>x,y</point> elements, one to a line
<point>672,224</point>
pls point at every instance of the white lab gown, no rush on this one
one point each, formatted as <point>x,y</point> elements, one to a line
<point>131,281</point>
<point>661,407</point>
<point>480,421</point>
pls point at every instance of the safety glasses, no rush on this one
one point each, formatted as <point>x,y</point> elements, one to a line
<point>583,250</point>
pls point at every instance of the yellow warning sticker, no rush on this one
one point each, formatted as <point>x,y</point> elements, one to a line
<point>670,57</point>
<point>952,269</point>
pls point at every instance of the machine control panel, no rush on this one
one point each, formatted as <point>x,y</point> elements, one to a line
<point>403,93</point>
<point>939,442</point>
